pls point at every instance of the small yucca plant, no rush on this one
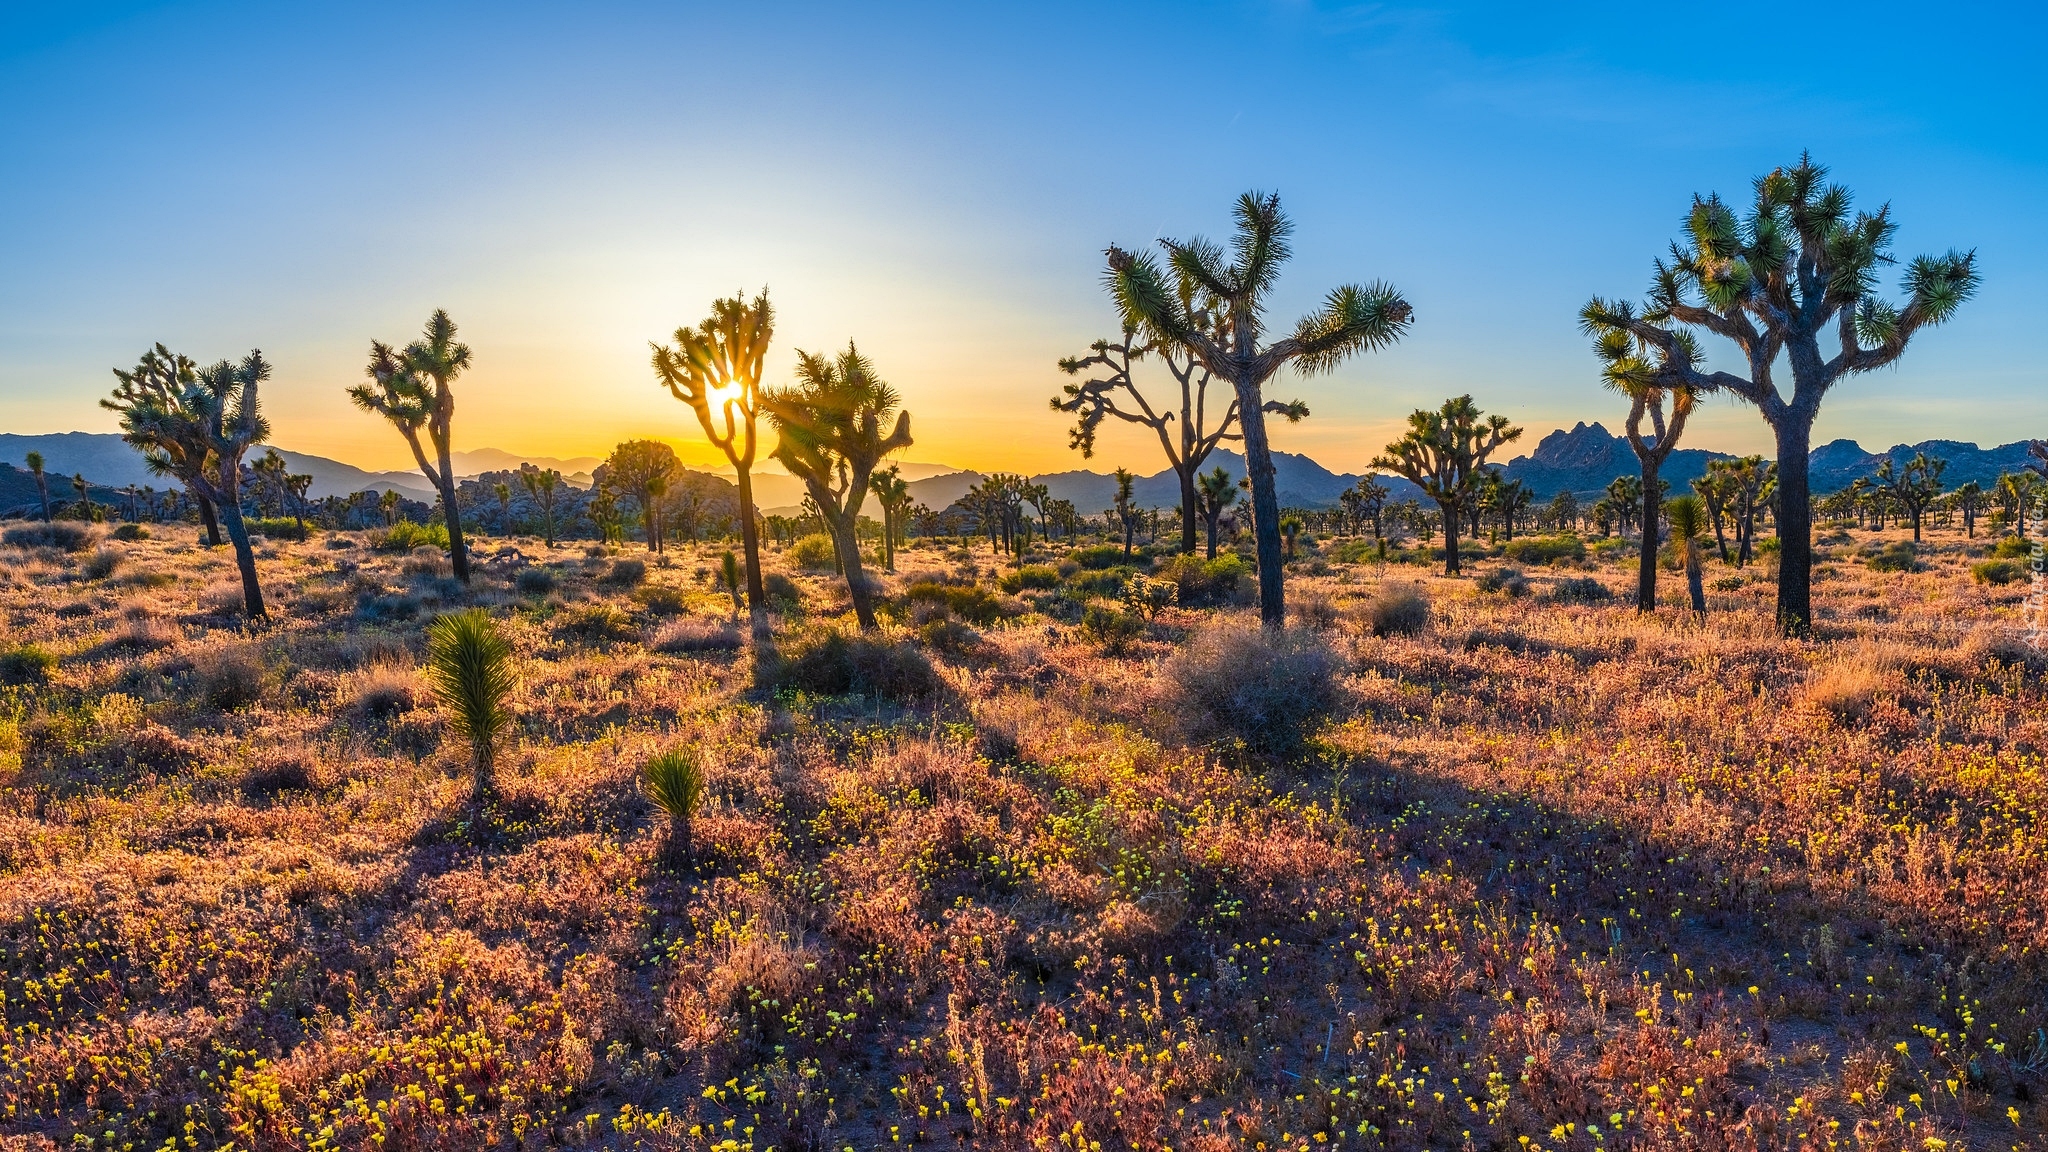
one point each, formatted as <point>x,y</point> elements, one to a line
<point>469,668</point>
<point>1687,517</point>
<point>731,573</point>
<point>674,781</point>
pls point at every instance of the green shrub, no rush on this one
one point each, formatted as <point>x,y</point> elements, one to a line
<point>63,535</point>
<point>1205,583</point>
<point>970,602</point>
<point>1098,582</point>
<point>782,592</point>
<point>230,678</point>
<point>814,553</point>
<point>833,663</point>
<point>1507,580</point>
<point>595,623</point>
<point>626,573</point>
<point>1898,556</point>
<point>1997,571</point>
<point>673,781</point>
<point>281,527</point>
<point>1111,627</point>
<point>1264,687</point>
<point>26,664</point>
<point>2012,547</point>
<point>405,536</point>
<point>949,635</point>
<point>1031,576</point>
<point>1544,549</point>
<point>535,581</point>
<point>131,532</point>
<point>1580,590</point>
<point>663,599</point>
<point>1100,556</point>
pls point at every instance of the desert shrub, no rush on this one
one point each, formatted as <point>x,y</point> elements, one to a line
<point>1111,627</point>
<point>405,536</point>
<point>782,592</point>
<point>1508,581</point>
<point>338,543</point>
<point>626,573</point>
<point>696,634</point>
<point>376,607</point>
<point>1099,556</point>
<point>101,564</point>
<point>469,668</point>
<point>1031,576</point>
<point>815,553</point>
<point>278,527</point>
<point>1727,583</point>
<point>949,635</point>
<point>1264,687</point>
<point>131,533</point>
<point>673,781</point>
<point>1847,687</point>
<point>595,623</point>
<point>230,677</point>
<point>833,663</point>
<point>2011,548</point>
<point>429,562</point>
<point>1098,581</point>
<point>1314,609</point>
<point>1897,556</point>
<point>1580,590</point>
<point>1204,583</point>
<point>387,688</point>
<point>1148,596</point>
<point>140,633</point>
<point>276,774</point>
<point>1997,571</point>
<point>663,599</point>
<point>62,535</point>
<point>970,602</point>
<point>1544,549</point>
<point>1398,610</point>
<point>26,664</point>
<point>535,581</point>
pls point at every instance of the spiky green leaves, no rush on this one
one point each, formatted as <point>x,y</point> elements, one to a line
<point>715,368</point>
<point>673,781</point>
<point>1687,517</point>
<point>469,670</point>
<point>1353,318</point>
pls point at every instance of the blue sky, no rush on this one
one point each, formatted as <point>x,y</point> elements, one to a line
<point>938,182</point>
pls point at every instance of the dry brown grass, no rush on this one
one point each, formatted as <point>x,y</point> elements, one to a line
<point>1553,861</point>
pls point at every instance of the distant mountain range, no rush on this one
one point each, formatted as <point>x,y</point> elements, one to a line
<point>1581,460</point>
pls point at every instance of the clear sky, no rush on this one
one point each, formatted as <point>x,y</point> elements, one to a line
<point>937,182</point>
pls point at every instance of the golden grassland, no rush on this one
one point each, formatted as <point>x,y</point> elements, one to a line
<point>1547,876</point>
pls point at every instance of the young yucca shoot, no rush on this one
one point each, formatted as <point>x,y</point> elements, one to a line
<point>732,581</point>
<point>1686,515</point>
<point>674,781</point>
<point>469,668</point>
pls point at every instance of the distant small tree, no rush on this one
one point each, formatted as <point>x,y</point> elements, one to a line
<point>1563,512</point>
<point>1126,508</point>
<point>34,460</point>
<point>1686,516</point>
<point>642,469</point>
<point>1510,499</point>
<point>1713,490</point>
<point>85,506</point>
<point>1216,493</point>
<point>545,486</point>
<point>1626,366</point>
<point>1443,453</point>
<point>1290,527</point>
<point>1624,494</point>
<point>1798,269</point>
<point>1221,326</point>
<point>830,433</point>
<point>1913,486</point>
<point>892,492</point>
<point>410,388</point>
<point>197,423</point>
<point>503,492</point>
<point>1970,501</point>
<point>1372,501</point>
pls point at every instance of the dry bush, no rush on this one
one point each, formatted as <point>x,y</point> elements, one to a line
<point>229,677</point>
<point>626,573</point>
<point>596,622</point>
<point>1314,609</point>
<point>221,598</point>
<point>427,561</point>
<point>1397,610</point>
<point>63,535</point>
<point>142,633</point>
<point>387,687</point>
<point>696,634</point>
<point>829,662</point>
<point>1265,687</point>
<point>101,564</point>
<point>1848,684</point>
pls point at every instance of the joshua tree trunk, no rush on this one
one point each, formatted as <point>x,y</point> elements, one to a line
<point>1646,560</point>
<point>750,543</point>
<point>1187,514</point>
<point>1692,583</point>
<point>245,557</point>
<point>1258,464</point>
<point>856,578</point>
<point>452,512</point>
<point>1795,522</point>
<point>1450,519</point>
<point>210,519</point>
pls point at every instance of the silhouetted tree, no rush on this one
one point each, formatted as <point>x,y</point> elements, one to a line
<point>1442,453</point>
<point>642,469</point>
<point>34,460</point>
<point>1216,493</point>
<point>410,388</point>
<point>1913,486</point>
<point>1626,366</point>
<point>545,487</point>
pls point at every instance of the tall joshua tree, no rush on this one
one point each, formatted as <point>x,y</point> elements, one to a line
<point>715,368</point>
<point>1797,269</point>
<point>410,389</point>
<point>1913,485</point>
<point>1626,366</point>
<point>1221,324</point>
<point>34,460</point>
<point>830,433</point>
<point>1443,452</point>
<point>545,486</point>
<point>1185,435</point>
<point>196,423</point>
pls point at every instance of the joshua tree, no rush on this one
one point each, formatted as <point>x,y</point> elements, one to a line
<point>1969,500</point>
<point>1290,527</point>
<point>544,487</point>
<point>85,505</point>
<point>829,429</point>
<point>729,572</point>
<point>503,492</point>
<point>892,492</point>
<point>715,368</point>
<point>1185,435</point>
<point>1443,453</point>
<point>1372,501</point>
<point>1563,512</point>
<point>1686,517</point>
<point>1510,498</point>
<point>196,423</point>
<point>1626,367</point>
<point>1216,492</point>
<point>388,504</point>
<point>1914,486</point>
<point>1624,493</point>
<point>642,469</point>
<point>1220,327</point>
<point>1751,484</point>
<point>1713,490</point>
<point>1777,282</point>
<point>34,460</point>
<point>469,668</point>
<point>674,782</point>
<point>410,389</point>
<point>1126,509</point>
<point>2016,492</point>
